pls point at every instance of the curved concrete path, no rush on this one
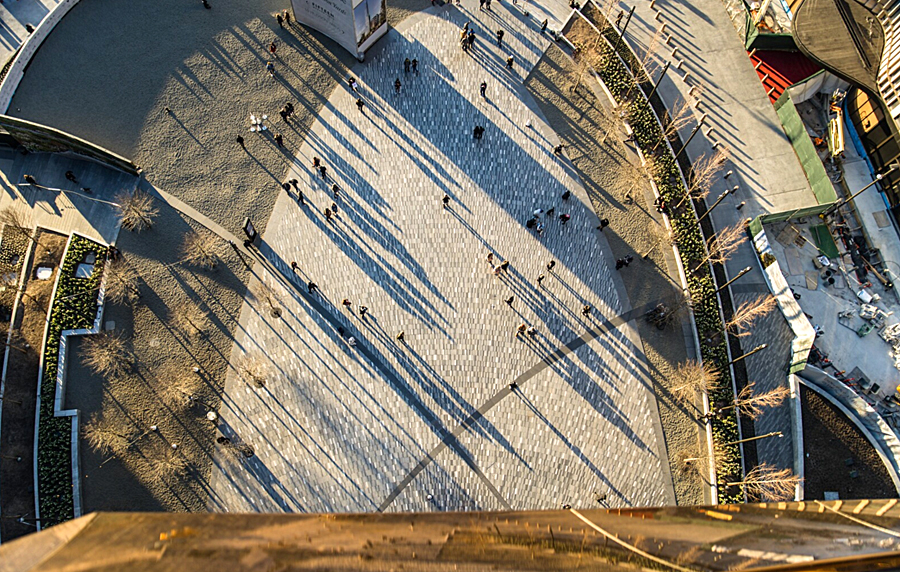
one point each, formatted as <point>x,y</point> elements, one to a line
<point>419,425</point>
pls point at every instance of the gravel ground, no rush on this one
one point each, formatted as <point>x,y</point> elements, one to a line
<point>93,77</point>
<point>17,435</point>
<point>574,116</point>
<point>829,440</point>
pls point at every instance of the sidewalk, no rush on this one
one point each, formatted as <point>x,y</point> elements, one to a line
<point>14,16</point>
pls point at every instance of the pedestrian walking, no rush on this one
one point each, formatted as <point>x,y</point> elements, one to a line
<point>564,218</point>
<point>540,228</point>
<point>466,27</point>
<point>400,337</point>
<point>619,18</point>
<point>558,150</point>
<point>286,186</point>
<point>604,222</point>
<point>30,180</point>
<point>481,4</point>
<point>280,20</point>
<point>284,115</point>
<point>585,310</point>
<point>487,5</point>
<point>328,214</point>
<point>300,198</point>
<point>531,331</point>
<point>270,67</point>
<point>499,38</point>
<point>620,264</point>
<point>289,107</point>
<point>550,211</point>
<point>520,329</point>
<point>362,311</point>
<point>540,279</point>
<point>406,65</point>
<point>70,176</point>
<point>490,258</point>
<point>335,189</point>
<point>483,89</point>
<point>550,265</point>
<point>397,85</point>
<point>509,301</point>
<point>628,260</point>
<point>504,265</point>
<point>316,162</point>
<point>446,201</point>
<point>477,132</point>
<point>272,49</point>
<point>279,140</point>
<point>293,266</point>
<point>509,63</point>
<point>543,26</point>
<point>240,141</point>
<point>334,208</point>
<point>352,341</point>
<point>347,303</point>
<point>415,66</point>
<point>351,81</point>
<point>497,270</point>
<point>311,286</point>
<point>287,17</point>
<point>360,104</point>
<point>471,38</point>
<point>323,171</point>
<point>566,195</point>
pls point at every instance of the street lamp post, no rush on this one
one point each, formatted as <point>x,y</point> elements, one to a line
<point>758,348</point>
<point>727,284</point>
<point>622,34</point>
<point>659,81</point>
<point>841,203</point>
<point>688,142</point>
<point>766,436</point>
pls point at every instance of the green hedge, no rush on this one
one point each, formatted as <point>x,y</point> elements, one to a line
<point>689,238</point>
<point>54,456</point>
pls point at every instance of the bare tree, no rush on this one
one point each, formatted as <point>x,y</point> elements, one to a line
<point>752,405</point>
<point>13,219</point>
<point>666,239</point>
<point>679,116</point>
<point>722,245</point>
<point>175,387</point>
<point>107,354</point>
<point>165,462</point>
<point>121,282</point>
<point>748,312</point>
<point>588,53</point>
<point>693,376</point>
<point>648,63</point>
<point>768,483</point>
<point>136,210</point>
<point>704,173</point>
<point>200,249</point>
<point>190,318</point>
<point>255,370</point>
<point>108,435</point>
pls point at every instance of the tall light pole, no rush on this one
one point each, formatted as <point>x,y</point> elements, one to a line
<point>727,284</point>
<point>758,348</point>
<point>841,203</point>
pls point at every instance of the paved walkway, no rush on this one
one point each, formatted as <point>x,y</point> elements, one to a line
<point>14,15</point>
<point>350,428</point>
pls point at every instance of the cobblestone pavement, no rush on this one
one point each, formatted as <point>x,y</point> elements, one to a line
<point>341,427</point>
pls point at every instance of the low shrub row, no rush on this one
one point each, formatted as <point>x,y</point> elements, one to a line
<point>74,307</point>
<point>665,172</point>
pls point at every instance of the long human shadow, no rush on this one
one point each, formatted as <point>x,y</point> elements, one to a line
<point>381,364</point>
<point>576,450</point>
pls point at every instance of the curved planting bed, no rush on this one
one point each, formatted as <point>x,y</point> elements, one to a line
<point>75,302</point>
<point>692,248</point>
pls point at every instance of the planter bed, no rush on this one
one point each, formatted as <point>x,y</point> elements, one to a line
<point>69,311</point>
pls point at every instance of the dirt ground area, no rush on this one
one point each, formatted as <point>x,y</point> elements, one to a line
<point>17,431</point>
<point>115,93</point>
<point>633,231</point>
<point>839,458</point>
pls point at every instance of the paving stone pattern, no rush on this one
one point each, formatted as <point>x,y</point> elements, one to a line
<point>337,427</point>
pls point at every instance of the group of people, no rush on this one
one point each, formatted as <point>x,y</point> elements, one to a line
<point>535,220</point>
